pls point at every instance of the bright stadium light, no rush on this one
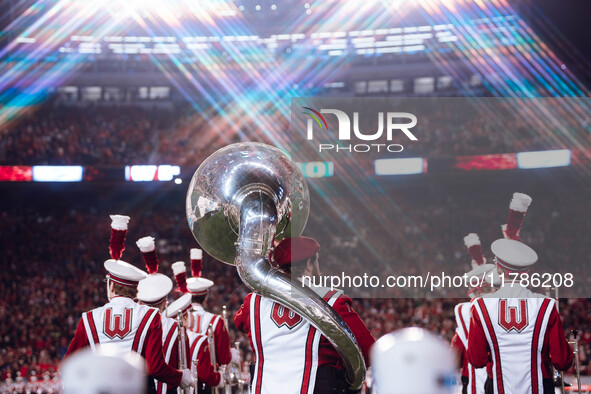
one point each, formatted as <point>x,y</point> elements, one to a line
<point>544,159</point>
<point>317,169</point>
<point>57,173</point>
<point>408,166</point>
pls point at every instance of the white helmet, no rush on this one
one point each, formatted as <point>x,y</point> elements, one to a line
<point>104,371</point>
<point>413,361</point>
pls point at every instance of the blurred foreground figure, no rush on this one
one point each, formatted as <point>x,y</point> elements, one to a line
<point>413,361</point>
<point>104,371</point>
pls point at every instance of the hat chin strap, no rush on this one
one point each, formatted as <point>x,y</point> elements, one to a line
<point>109,288</point>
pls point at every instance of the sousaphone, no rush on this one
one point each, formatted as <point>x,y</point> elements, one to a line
<point>241,199</point>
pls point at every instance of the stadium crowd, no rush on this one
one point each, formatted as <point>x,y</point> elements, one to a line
<point>52,268</point>
<point>109,135</point>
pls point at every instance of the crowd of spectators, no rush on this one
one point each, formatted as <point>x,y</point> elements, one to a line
<point>84,136</point>
<point>118,135</point>
<point>52,261</point>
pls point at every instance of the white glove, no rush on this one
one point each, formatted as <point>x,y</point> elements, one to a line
<point>235,356</point>
<point>223,377</point>
<point>187,379</point>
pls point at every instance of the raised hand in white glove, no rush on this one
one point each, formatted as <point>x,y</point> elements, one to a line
<point>187,379</point>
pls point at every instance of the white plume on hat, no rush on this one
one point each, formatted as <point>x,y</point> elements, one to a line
<point>471,240</point>
<point>196,254</point>
<point>179,270</point>
<point>119,222</point>
<point>146,244</point>
<point>148,248</point>
<point>517,209</point>
<point>119,225</point>
<point>520,202</point>
<point>178,267</point>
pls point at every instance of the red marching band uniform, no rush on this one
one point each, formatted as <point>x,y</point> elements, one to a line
<point>518,331</point>
<point>196,345</point>
<point>154,291</point>
<point>123,323</point>
<point>290,363</point>
<point>200,319</point>
<point>473,379</point>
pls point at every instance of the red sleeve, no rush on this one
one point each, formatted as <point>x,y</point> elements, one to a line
<point>459,350</point>
<point>205,371</point>
<point>157,367</point>
<point>242,317</point>
<point>79,341</point>
<point>477,343</point>
<point>222,343</point>
<point>561,353</point>
<point>364,338</point>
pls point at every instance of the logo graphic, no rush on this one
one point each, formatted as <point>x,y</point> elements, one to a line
<point>282,316</point>
<point>114,328</point>
<point>390,124</point>
<point>318,115</point>
<point>508,317</point>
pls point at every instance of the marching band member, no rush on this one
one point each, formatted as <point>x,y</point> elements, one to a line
<point>291,356</point>
<point>153,291</point>
<point>199,318</point>
<point>412,361</point>
<point>198,347</point>
<point>521,331</point>
<point>473,380</point>
<point>129,326</point>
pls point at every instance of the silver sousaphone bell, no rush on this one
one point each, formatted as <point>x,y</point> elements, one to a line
<point>241,199</point>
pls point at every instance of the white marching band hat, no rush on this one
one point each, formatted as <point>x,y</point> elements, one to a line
<point>123,273</point>
<point>105,370</point>
<point>513,255</point>
<point>181,304</point>
<point>154,289</point>
<point>487,273</point>
<point>198,286</point>
<point>479,270</point>
<point>413,361</point>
